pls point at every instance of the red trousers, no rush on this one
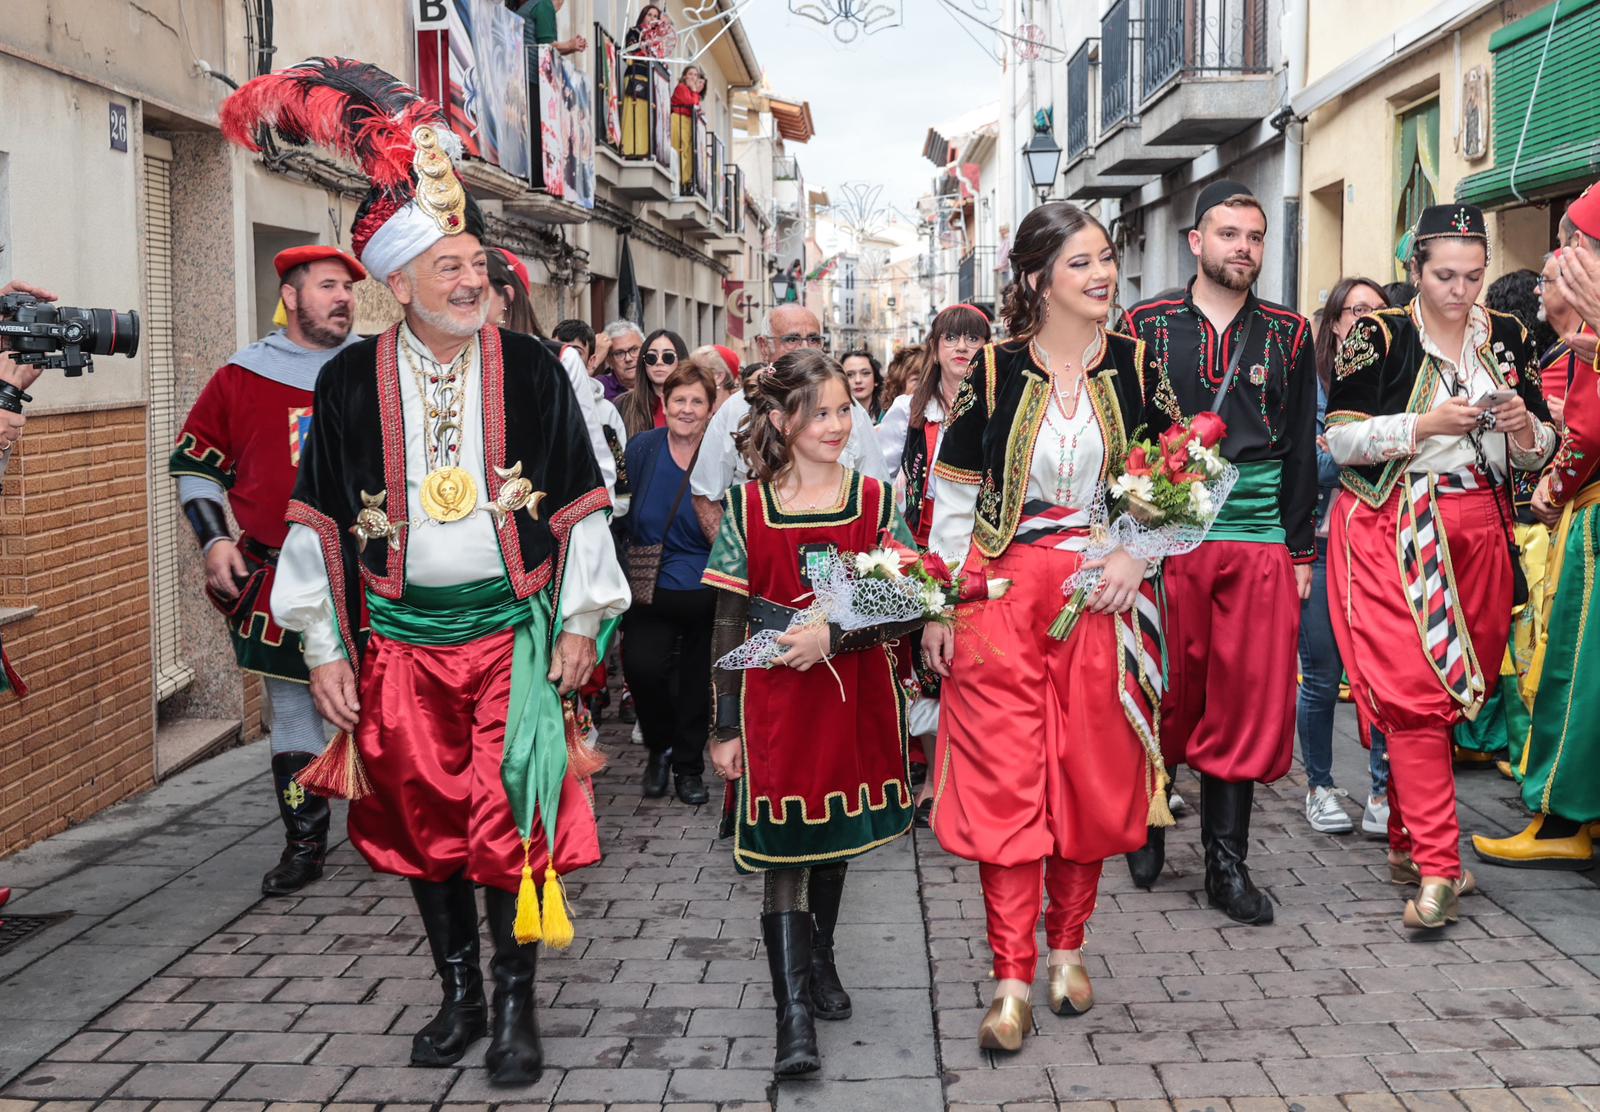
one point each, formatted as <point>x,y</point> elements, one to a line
<point>1392,681</point>
<point>432,731</point>
<point>1233,630</point>
<point>1011,899</point>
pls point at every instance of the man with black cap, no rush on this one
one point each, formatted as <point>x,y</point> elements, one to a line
<point>1234,603</point>
<point>241,446</point>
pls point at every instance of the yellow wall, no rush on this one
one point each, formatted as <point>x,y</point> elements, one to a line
<point>1351,142</point>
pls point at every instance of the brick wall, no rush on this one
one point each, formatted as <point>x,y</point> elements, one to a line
<point>74,541</point>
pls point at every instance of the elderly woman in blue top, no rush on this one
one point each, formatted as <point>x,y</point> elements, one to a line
<point>666,647</point>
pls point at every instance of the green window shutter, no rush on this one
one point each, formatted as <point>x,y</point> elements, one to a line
<point>1559,153</point>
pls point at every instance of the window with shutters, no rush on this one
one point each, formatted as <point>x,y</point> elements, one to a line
<point>172,673</point>
<point>1416,168</point>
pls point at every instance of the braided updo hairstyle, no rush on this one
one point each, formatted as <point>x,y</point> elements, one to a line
<point>1040,237</point>
<point>789,388</point>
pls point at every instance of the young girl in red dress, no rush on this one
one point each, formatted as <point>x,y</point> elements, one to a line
<point>813,748</point>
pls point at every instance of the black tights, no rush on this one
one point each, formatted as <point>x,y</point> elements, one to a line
<point>790,889</point>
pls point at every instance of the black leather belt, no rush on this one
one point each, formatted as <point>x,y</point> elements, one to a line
<point>765,614</point>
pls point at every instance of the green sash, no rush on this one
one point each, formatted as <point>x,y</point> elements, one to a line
<point>1251,512</point>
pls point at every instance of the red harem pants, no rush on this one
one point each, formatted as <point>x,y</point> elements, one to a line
<point>1036,761</point>
<point>1233,633</point>
<point>432,730</point>
<point>1392,681</point>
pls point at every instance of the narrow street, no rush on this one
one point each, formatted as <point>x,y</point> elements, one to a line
<point>172,986</point>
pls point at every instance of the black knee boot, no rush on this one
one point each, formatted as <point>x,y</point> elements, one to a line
<point>829,1000</point>
<point>305,825</point>
<point>788,938</point>
<point>514,1056</point>
<point>1225,837</point>
<point>1145,864</point>
<point>450,916</point>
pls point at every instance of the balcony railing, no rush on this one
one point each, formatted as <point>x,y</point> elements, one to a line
<point>785,168</point>
<point>733,199</point>
<point>1202,37</point>
<point>1116,66</point>
<point>647,120</point>
<point>1078,102</point>
<point>607,89</point>
<point>975,276</point>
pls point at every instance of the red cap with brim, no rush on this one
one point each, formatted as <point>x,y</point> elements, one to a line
<point>1585,213</point>
<point>285,261</point>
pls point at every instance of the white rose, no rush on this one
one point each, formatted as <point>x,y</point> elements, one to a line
<point>1138,486</point>
<point>1200,501</point>
<point>998,588</point>
<point>1209,459</point>
<point>879,559</point>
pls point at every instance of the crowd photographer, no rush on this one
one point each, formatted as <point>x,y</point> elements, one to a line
<point>17,376</point>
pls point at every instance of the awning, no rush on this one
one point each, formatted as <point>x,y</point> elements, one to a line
<point>793,119</point>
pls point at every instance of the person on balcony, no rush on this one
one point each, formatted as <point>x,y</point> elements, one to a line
<point>685,107</point>
<point>540,27</point>
<point>637,51</point>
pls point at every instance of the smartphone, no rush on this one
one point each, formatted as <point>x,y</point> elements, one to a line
<point>1495,398</point>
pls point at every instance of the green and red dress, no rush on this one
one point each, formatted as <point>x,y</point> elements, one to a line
<point>824,750</point>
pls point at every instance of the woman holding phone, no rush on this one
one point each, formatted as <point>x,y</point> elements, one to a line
<point>1432,405</point>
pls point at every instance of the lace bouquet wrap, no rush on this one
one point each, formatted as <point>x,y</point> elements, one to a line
<point>1162,502</point>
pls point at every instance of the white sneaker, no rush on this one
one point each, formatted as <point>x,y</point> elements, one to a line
<point>1375,818</point>
<point>1324,813</point>
<point>1175,803</point>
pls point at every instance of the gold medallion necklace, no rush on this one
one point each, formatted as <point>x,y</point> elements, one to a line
<point>448,492</point>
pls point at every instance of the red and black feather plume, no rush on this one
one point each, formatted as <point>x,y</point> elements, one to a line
<point>352,108</point>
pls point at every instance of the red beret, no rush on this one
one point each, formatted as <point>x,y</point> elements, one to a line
<point>1585,213</point>
<point>285,261</point>
<point>518,267</point>
<point>731,358</point>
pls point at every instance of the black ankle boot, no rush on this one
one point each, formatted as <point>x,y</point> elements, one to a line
<point>788,938</point>
<point>514,1056</point>
<point>1225,837</point>
<point>829,1000</point>
<point>657,774</point>
<point>305,825</point>
<point>450,916</point>
<point>1145,864</point>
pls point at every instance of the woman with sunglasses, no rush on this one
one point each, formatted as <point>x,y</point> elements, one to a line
<point>644,407</point>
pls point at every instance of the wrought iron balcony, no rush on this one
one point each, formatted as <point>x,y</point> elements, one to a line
<point>1078,103</point>
<point>785,168</point>
<point>975,277</point>
<point>1116,66</point>
<point>1202,38</point>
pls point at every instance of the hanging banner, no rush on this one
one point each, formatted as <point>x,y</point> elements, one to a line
<point>474,64</point>
<point>566,129</point>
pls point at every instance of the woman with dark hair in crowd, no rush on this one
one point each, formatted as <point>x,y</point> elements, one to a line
<point>1517,294</point>
<point>865,375</point>
<point>1431,407</point>
<point>510,301</point>
<point>666,650</point>
<point>1042,770</point>
<point>644,407</point>
<point>1320,667</point>
<point>815,779</point>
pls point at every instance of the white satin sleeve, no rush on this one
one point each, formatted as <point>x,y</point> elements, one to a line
<point>891,433</point>
<point>582,386</point>
<point>302,599</point>
<point>955,510</point>
<point>864,444</point>
<point>1374,440</point>
<point>593,587</point>
<point>719,466</point>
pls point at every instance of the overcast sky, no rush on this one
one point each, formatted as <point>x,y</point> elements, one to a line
<point>873,100</point>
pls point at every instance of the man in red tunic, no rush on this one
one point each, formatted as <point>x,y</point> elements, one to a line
<point>240,447</point>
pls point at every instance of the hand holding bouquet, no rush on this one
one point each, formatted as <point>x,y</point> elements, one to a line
<point>1162,501</point>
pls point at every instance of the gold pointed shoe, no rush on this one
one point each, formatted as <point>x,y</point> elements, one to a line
<point>1070,990</point>
<point>1435,906</point>
<point>1404,872</point>
<point>1006,1024</point>
<point>1527,850</point>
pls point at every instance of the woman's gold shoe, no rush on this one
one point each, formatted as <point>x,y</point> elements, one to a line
<point>1070,990</point>
<point>1006,1024</point>
<point>1435,905</point>
<point>1406,872</point>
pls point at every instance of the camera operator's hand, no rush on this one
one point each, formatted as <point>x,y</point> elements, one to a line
<point>333,689</point>
<point>10,428</point>
<point>15,286</point>
<point>21,377</point>
<point>224,568</point>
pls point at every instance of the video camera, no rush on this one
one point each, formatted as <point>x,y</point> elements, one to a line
<point>60,336</point>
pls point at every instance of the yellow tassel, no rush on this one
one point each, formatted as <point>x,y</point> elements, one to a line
<point>1160,814</point>
<point>526,926</point>
<point>557,924</point>
<point>280,315</point>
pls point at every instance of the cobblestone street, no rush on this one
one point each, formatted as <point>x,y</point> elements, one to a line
<point>172,986</point>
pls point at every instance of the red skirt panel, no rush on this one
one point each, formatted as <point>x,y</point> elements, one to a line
<point>1036,757</point>
<point>433,727</point>
<point>1391,678</point>
<point>1233,631</point>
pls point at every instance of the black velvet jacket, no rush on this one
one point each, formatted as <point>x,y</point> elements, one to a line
<point>989,437</point>
<point>1383,368</point>
<point>354,465</point>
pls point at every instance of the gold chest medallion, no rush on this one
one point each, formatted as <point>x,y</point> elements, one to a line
<point>448,494</point>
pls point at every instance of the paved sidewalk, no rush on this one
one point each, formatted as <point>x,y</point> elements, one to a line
<point>174,986</point>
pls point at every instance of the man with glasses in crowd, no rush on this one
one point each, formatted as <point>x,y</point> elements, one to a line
<point>788,328</point>
<point>626,343</point>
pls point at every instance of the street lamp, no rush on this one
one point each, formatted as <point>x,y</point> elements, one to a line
<point>1043,156</point>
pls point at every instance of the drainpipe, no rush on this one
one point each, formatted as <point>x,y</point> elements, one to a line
<point>1010,157</point>
<point>1295,27</point>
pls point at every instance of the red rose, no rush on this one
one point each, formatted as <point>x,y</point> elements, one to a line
<point>934,565</point>
<point>1174,465</point>
<point>1138,461</point>
<point>1175,441</point>
<point>1209,428</point>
